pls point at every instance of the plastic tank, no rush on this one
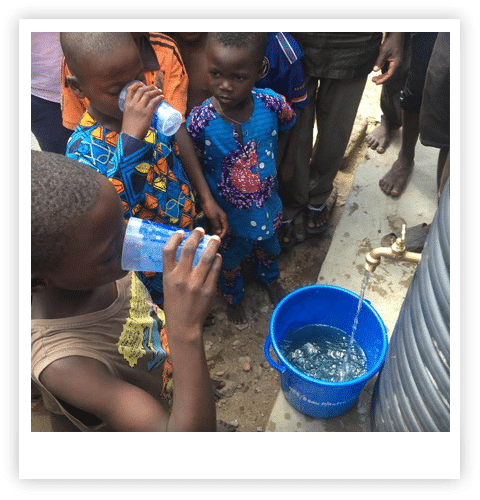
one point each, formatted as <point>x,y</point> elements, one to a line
<point>412,392</point>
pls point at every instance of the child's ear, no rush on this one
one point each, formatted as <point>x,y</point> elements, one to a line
<point>264,69</point>
<point>72,82</point>
<point>39,284</point>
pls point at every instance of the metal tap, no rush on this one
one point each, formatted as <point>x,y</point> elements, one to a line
<point>396,251</point>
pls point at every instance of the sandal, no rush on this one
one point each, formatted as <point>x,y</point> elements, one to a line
<point>286,231</point>
<point>415,236</point>
<point>314,214</point>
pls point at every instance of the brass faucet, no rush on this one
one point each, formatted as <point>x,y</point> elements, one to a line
<point>396,251</point>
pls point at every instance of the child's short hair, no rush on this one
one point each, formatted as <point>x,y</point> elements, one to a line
<point>63,190</point>
<point>256,40</point>
<point>79,47</point>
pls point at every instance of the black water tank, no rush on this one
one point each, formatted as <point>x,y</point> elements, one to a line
<point>412,392</point>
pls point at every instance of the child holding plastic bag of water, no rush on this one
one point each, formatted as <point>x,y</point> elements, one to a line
<point>102,352</point>
<point>143,164</point>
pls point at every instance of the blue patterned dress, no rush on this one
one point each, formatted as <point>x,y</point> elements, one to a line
<point>240,170</point>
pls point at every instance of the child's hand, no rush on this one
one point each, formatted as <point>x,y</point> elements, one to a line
<point>140,104</point>
<point>216,216</point>
<point>188,290</point>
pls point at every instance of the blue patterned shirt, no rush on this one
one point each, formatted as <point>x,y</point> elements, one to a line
<point>242,175</point>
<point>148,175</point>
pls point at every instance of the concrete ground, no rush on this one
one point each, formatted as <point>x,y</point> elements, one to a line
<point>369,214</point>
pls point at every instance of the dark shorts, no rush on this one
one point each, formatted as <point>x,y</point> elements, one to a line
<point>435,111</point>
<point>421,47</point>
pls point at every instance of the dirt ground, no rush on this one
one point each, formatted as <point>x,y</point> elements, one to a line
<point>235,356</point>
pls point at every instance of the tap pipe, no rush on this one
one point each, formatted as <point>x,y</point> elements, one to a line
<point>396,251</point>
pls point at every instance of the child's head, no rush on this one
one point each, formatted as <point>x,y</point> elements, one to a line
<point>234,64</point>
<point>77,225</point>
<point>101,64</point>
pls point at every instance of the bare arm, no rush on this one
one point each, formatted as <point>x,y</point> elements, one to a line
<point>189,293</point>
<point>88,385</point>
<point>213,212</point>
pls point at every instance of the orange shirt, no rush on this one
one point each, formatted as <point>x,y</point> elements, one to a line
<point>175,84</point>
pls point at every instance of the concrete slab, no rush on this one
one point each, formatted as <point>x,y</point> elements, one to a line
<point>368,215</point>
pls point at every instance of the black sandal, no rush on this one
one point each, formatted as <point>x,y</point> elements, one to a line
<point>313,216</point>
<point>315,213</point>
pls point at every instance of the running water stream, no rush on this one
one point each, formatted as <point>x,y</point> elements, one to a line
<point>354,328</point>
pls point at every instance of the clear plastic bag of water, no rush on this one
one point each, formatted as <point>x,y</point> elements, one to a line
<point>144,242</point>
<point>166,119</point>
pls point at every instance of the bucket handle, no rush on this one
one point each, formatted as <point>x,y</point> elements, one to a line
<point>266,350</point>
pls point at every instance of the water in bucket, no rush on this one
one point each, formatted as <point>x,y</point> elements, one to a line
<point>336,307</point>
<point>319,351</point>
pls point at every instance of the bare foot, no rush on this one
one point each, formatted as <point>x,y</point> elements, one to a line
<point>379,139</point>
<point>395,180</point>
<point>236,314</point>
<point>275,292</point>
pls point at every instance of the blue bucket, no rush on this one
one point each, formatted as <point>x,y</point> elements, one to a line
<point>333,306</point>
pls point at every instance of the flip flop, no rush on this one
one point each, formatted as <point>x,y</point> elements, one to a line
<point>415,236</point>
<point>314,214</point>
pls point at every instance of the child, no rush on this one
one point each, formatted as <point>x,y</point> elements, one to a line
<point>161,62</point>
<point>158,53</point>
<point>99,348</point>
<point>143,165</point>
<point>236,133</point>
<point>284,75</point>
<point>192,47</point>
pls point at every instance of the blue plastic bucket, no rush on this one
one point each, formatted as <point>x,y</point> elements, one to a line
<point>333,306</point>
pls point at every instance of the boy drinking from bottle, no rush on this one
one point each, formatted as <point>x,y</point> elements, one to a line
<point>143,164</point>
<point>100,353</point>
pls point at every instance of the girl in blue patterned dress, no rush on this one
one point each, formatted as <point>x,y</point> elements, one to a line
<point>240,134</point>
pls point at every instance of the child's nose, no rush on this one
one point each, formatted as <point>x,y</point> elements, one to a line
<point>226,84</point>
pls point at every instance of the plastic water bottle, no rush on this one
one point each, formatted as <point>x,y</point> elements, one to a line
<point>166,119</point>
<point>144,242</point>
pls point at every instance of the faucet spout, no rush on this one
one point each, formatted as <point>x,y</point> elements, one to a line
<point>396,251</point>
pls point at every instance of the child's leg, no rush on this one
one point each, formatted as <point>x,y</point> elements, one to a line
<point>232,284</point>
<point>232,281</point>
<point>265,267</point>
